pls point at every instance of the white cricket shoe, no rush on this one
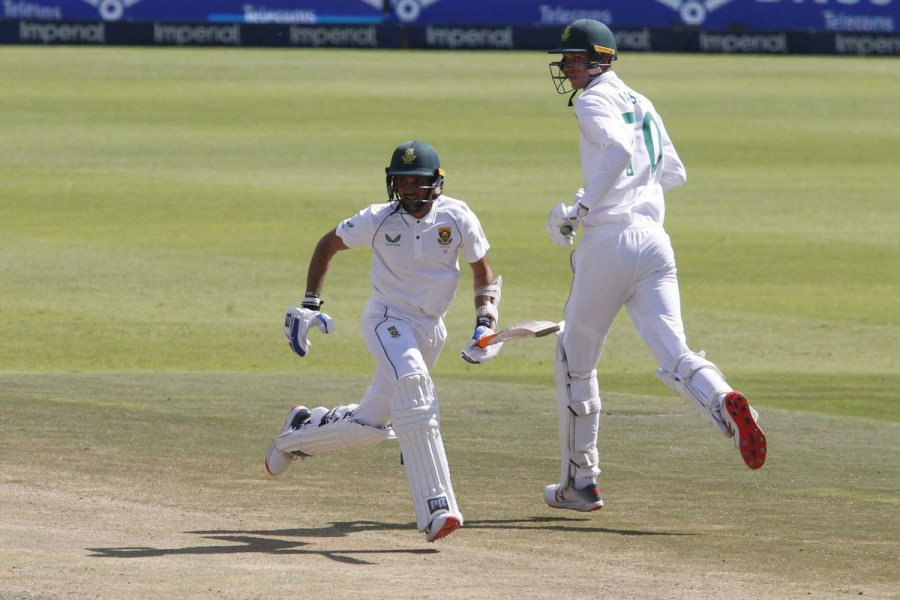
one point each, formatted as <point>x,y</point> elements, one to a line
<point>443,525</point>
<point>749,439</point>
<point>587,499</point>
<point>277,462</point>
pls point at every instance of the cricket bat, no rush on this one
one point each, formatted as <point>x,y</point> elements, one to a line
<point>522,329</point>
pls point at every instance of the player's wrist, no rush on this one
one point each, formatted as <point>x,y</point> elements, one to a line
<point>578,212</point>
<point>485,321</point>
<point>312,301</point>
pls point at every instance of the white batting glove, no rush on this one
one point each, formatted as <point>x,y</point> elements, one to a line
<point>472,353</point>
<point>297,323</point>
<point>563,222</point>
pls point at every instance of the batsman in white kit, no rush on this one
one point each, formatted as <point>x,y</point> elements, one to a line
<point>624,258</point>
<point>416,240</point>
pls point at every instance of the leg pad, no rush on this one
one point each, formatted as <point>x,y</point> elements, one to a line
<point>415,418</point>
<point>342,434</point>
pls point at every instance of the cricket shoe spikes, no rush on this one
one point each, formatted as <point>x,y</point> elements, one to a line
<point>443,525</point>
<point>587,499</point>
<point>749,439</point>
<point>277,462</point>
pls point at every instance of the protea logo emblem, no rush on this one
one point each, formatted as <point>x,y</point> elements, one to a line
<point>444,238</point>
<point>409,156</point>
<point>407,11</point>
<point>693,12</point>
<point>566,34</point>
<point>111,10</point>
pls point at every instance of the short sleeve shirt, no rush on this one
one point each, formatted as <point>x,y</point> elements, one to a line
<point>415,262</point>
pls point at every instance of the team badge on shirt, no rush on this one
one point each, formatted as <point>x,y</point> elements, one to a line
<point>444,238</point>
<point>395,333</point>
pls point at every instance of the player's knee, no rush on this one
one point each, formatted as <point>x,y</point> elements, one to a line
<point>582,390</point>
<point>414,404</point>
<point>584,396</point>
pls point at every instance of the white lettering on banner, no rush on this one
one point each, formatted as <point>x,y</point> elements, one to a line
<point>694,12</point>
<point>27,10</point>
<point>634,40</point>
<point>457,37</point>
<point>197,35</point>
<point>261,14</point>
<point>744,43</point>
<point>866,45</point>
<point>558,15</point>
<point>62,33</point>
<point>844,22</point>
<point>356,37</point>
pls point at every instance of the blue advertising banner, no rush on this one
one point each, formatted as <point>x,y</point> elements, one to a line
<point>306,12</point>
<point>720,15</point>
<point>868,16</point>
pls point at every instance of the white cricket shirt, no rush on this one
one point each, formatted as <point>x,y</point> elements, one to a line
<point>627,158</point>
<point>415,262</point>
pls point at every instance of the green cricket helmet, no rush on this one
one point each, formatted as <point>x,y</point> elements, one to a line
<point>418,159</point>
<point>585,36</point>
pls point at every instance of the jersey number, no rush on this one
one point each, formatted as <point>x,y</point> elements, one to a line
<point>652,140</point>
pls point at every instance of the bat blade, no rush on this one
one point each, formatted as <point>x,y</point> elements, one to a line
<point>520,330</point>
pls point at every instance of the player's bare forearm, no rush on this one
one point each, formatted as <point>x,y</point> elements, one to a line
<point>328,246</point>
<point>482,277</point>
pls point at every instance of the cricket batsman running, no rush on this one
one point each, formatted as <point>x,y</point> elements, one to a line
<point>416,239</point>
<point>624,258</point>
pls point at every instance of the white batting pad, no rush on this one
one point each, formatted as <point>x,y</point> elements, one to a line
<point>578,396</point>
<point>344,434</point>
<point>415,418</point>
<point>698,380</point>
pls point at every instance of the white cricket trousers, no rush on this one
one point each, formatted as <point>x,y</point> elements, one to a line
<point>616,265</point>
<point>401,345</point>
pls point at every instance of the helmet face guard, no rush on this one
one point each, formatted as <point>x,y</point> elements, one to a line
<point>561,80</point>
<point>417,159</point>
<point>588,37</point>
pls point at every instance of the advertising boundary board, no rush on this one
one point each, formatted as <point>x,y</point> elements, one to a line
<point>434,37</point>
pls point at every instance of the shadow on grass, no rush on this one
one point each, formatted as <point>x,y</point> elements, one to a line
<point>560,524</point>
<point>272,541</point>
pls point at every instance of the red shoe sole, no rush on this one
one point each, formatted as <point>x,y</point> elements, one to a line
<point>450,525</point>
<point>751,440</point>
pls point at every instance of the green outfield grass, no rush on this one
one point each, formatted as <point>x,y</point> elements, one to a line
<point>158,208</point>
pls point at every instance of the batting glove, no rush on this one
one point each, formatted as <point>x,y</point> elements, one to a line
<point>474,354</point>
<point>297,323</point>
<point>563,221</point>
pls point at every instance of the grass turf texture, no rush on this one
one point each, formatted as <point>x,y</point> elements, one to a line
<point>157,211</point>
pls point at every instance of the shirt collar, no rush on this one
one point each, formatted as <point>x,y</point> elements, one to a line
<point>608,76</point>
